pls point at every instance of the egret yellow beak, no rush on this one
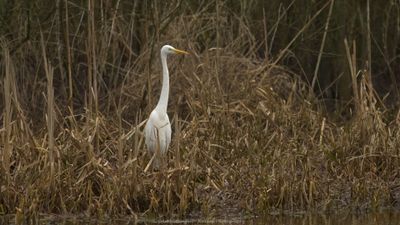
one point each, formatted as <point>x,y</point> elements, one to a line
<point>178,51</point>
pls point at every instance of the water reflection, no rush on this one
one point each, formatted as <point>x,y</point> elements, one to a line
<point>384,218</point>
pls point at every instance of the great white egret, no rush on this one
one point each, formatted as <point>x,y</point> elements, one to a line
<point>158,128</point>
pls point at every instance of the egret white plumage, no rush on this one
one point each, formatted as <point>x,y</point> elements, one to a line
<point>158,128</point>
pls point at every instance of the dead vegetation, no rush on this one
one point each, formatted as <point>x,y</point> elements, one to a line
<point>250,133</point>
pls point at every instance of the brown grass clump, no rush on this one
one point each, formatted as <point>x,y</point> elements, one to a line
<point>250,132</point>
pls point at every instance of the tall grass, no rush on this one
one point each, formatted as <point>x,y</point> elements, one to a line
<point>279,107</point>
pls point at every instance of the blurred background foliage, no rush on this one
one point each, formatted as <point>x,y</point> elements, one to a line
<point>263,28</point>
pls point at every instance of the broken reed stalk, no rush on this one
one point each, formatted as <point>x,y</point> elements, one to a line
<point>69,59</point>
<point>94,87</point>
<point>217,26</point>
<point>177,139</point>
<point>8,148</point>
<point>321,49</point>
<point>266,49</point>
<point>60,44</point>
<point>92,113</point>
<point>351,58</point>
<point>122,139</point>
<point>134,157</point>
<point>369,52</point>
<point>50,110</point>
<point>50,119</point>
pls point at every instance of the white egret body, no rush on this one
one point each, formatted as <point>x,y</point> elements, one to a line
<point>158,128</point>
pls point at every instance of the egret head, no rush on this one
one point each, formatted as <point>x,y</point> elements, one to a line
<point>168,49</point>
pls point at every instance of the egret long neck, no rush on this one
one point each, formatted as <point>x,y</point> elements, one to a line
<point>163,101</point>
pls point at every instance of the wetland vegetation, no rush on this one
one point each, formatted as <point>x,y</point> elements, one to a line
<point>282,106</point>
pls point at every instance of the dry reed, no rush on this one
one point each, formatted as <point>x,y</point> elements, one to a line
<point>248,136</point>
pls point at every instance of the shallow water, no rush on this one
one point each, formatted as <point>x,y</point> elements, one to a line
<point>384,218</point>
